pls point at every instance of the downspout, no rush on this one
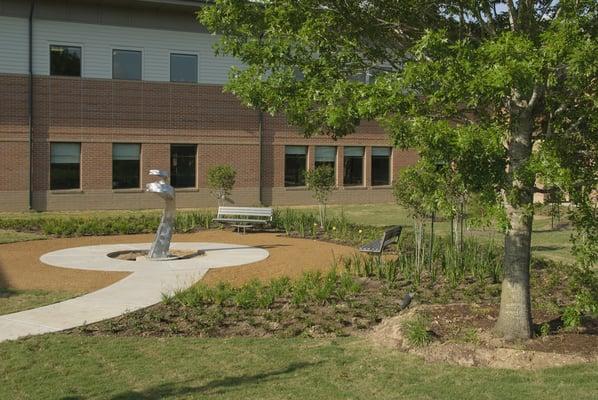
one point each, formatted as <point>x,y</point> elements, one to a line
<point>260,130</point>
<point>31,9</point>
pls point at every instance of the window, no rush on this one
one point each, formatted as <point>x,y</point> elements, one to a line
<point>380,166</point>
<point>65,60</point>
<point>183,68</point>
<point>125,165</point>
<point>126,64</point>
<point>182,165</point>
<point>325,155</point>
<point>353,166</point>
<point>295,160</point>
<point>65,169</point>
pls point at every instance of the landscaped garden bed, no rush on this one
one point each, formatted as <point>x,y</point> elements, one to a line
<point>453,303</point>
<point>460,283</point>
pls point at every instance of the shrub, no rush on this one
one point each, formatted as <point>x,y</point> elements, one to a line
<point>100,224</point>
<point>583,284</point>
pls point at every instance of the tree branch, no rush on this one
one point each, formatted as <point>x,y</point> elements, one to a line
<point>512,19</point>
<point>537,94</point>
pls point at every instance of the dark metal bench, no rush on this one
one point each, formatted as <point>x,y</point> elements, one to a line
<point>389,237</point>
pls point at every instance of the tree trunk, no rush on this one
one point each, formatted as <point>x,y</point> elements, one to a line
<point>322,209</point>
<point>514,320</point>
<point>457,233</point>
<point>419,237</point>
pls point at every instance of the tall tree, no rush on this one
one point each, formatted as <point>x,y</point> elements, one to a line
<point>513,82</point>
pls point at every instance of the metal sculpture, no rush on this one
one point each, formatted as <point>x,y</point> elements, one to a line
<point>161,245</point>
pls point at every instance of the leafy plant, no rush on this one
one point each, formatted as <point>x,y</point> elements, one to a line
<point>248,295</point>
<point>221,179</point>
<point>469,335</point>
<point>416,331</point>
<point>583,283</point>
<point>545,329</point>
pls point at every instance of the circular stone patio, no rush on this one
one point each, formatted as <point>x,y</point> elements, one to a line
<point>127,285</point>
<point>217,255</point>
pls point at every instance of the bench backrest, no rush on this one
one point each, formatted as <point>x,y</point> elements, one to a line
<point>390,236</point>
<point>261,212</point>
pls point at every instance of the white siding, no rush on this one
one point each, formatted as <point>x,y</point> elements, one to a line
<point>14,42</point>
<point>98,41</point>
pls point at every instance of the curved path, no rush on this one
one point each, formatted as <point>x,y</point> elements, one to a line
<point>142,288</point>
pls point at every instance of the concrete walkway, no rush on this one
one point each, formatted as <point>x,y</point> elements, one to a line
<point>143,288</point>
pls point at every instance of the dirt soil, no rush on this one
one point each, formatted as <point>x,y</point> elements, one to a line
<point>462,335</point>
<point>133,255</point>
<point>20,267</point>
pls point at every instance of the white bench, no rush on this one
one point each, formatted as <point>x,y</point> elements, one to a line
<point>244,217</point>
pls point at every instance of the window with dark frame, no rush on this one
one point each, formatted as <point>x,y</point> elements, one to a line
<point>326,155</point>
<point>353,163</point>
<point>126,64</point>
<point>381,166</point>
<point>65,166</point>
<point>125,165</point>
<point>183,68</point>
<point>182,165</point>
<point>65,60</point>
<point>295,162</point>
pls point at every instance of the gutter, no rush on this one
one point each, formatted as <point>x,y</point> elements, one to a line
<point>30,105</point>
<point>187,3</point>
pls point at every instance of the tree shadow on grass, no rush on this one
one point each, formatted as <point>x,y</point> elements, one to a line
<point>547,248</point>
<point>169,390</point>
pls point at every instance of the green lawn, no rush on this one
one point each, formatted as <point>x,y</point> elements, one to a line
<point>73,367</point>
<point>7,236</point>
<point>18,300</point>
<point>554,244</point>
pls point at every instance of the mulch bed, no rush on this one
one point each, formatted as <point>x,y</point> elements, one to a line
<point>456,322</point>
<point>357,313</point>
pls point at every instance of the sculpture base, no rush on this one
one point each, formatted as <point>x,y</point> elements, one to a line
<point>141,255</point>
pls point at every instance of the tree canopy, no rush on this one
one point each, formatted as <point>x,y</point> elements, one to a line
<point>503,93</point>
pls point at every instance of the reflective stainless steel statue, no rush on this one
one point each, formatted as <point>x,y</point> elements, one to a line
<point>162,188</point>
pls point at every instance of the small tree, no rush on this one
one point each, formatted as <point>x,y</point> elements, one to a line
<point>321,182</point>
<point>415,189</point>
<point>221,179</point>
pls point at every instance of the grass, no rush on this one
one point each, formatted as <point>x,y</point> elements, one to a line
<point>553,244</point>
<point>73,367</point>
<point>12,300</point>
<point>18,300</point>
<point>10,236</point>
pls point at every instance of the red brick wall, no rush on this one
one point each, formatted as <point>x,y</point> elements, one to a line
<point>99,112</point>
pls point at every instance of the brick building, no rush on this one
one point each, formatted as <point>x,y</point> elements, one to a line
<point>94,93</point>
